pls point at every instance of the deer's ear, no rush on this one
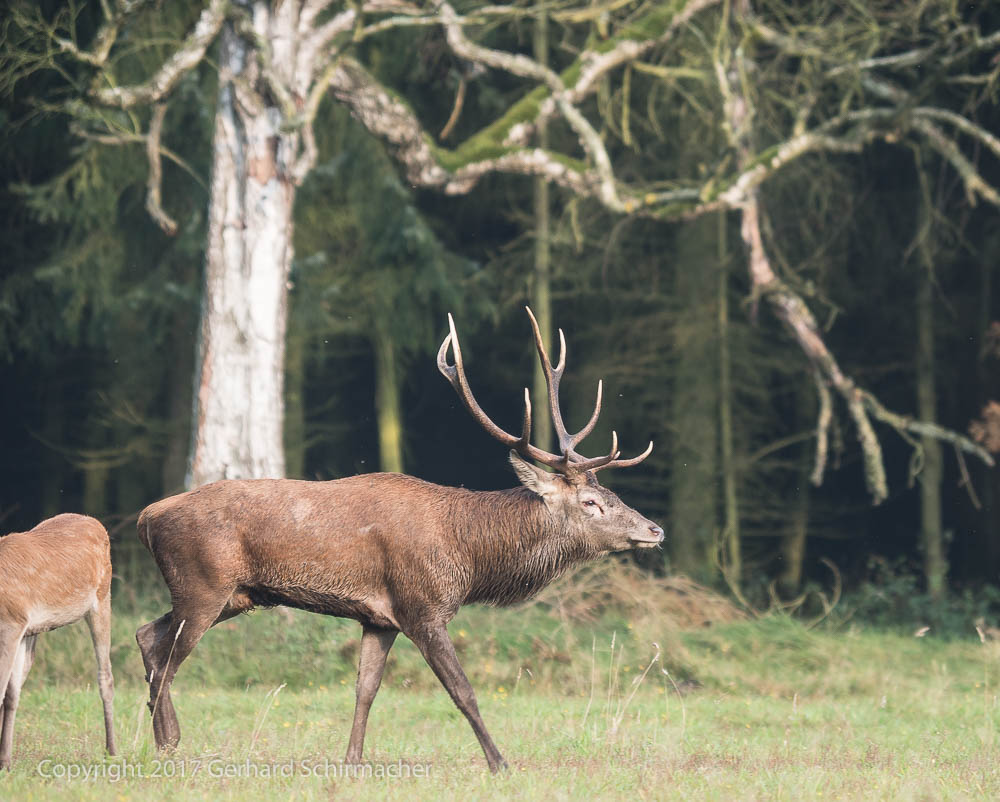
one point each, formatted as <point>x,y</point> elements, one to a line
<point>541,482</point>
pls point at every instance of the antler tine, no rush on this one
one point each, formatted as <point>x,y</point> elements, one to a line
<point>569,462</point>
<point>526,424</point>
<point>567,442</point>
<point>627,463</point>
<point>552,377</point>
<point>557,371</point>
<point>455,374</point>
<point>576,438</point>
<point>582,464</point>
<point>561,365</point>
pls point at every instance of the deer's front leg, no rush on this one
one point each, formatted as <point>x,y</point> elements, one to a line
<point>439,652</point>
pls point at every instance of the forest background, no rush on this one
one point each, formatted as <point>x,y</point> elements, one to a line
<point>771,228</point>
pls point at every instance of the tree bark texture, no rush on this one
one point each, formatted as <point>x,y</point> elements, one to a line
<point>239,403</point>
<point>694,488</point>
<point>179,402</point>
<point>541,287</point>
<point>931,541</point>
<point>388,406</point>
<point>793,542</point>
<point>987,547</point>
<point>295,411</point>
<point>732,542</point>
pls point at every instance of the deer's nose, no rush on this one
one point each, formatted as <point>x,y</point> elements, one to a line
<point>657,531</point>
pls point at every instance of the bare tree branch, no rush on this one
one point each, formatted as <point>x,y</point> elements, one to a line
<point>795,314</point>
<point>974,183</point>
<point>793,311</point>
<point>117,140</point>
<point>963,124</point>
<point>456,109</point>
<point>185,58</point>
<point>907,425</point>
<point>153,204</point>
<point>425,165</point>
<point>514,63</point>
<point>823,420</point>
<point>525,67</point>
<point>388,117</point>
<point>659,26</point>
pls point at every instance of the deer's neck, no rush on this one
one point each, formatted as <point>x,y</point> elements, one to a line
<point>513,547</point>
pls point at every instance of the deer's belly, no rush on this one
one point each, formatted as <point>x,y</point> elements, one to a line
<point>45,616</point>
<point>373,611</point>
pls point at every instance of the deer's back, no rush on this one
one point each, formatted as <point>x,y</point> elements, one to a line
<point>345,538</point>
<point>52,574</point>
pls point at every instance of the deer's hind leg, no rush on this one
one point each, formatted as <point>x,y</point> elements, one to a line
<point>14,665</point>
<point>167,641</point>
<point>99,622</point>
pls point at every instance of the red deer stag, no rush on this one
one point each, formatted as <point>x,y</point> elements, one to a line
<point>393,552</point>
<point>56,574</point>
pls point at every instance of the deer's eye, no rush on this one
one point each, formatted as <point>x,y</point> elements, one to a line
<point>591,503</point>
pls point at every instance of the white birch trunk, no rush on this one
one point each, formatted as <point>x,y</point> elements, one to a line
<point>239,378</point>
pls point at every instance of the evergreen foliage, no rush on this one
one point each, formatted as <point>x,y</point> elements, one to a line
<point>99,308</point>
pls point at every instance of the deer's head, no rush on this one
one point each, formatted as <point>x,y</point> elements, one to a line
<point>591,513</point>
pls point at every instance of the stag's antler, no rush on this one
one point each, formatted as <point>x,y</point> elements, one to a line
<point>569,461</point>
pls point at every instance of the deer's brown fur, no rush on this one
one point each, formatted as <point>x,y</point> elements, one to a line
<point>52,575</point>
<point>393,552</point>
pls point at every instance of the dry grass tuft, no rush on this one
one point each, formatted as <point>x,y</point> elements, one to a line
<point>622,587</point>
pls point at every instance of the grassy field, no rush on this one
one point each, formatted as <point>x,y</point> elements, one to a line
<point>613,686</point>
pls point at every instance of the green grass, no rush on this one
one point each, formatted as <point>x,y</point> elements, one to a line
<point>762,709</point>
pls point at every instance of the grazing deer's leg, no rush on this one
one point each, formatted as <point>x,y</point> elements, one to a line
<point>29,657</point>
<point>439,652</point>
<point>99,621</point>
<point>12,672</point>
<point>375,645</point>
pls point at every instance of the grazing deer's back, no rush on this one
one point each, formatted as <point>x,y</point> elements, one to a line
<point>65,560</point>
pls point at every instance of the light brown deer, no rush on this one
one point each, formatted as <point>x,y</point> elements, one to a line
<point>393,552</point>
<point>56,574</point>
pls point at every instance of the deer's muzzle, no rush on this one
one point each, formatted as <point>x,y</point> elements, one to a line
<point>644,540</point>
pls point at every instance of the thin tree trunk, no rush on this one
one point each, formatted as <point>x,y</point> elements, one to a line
<point>731,517</point>
<point>239,392</point>
<point>989,388</point>
<point>694,475</point>
<point>935,560</point>
<point>131,494</point>
<point>53,473</point>
<point>295,415</point>
<point>388,408</point>
<point>793,544</point>
<point>95,490</point>
<point>179,369</point>
<point>541,288</point>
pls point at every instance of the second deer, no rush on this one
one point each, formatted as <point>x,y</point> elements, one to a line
<point>54,574</point>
